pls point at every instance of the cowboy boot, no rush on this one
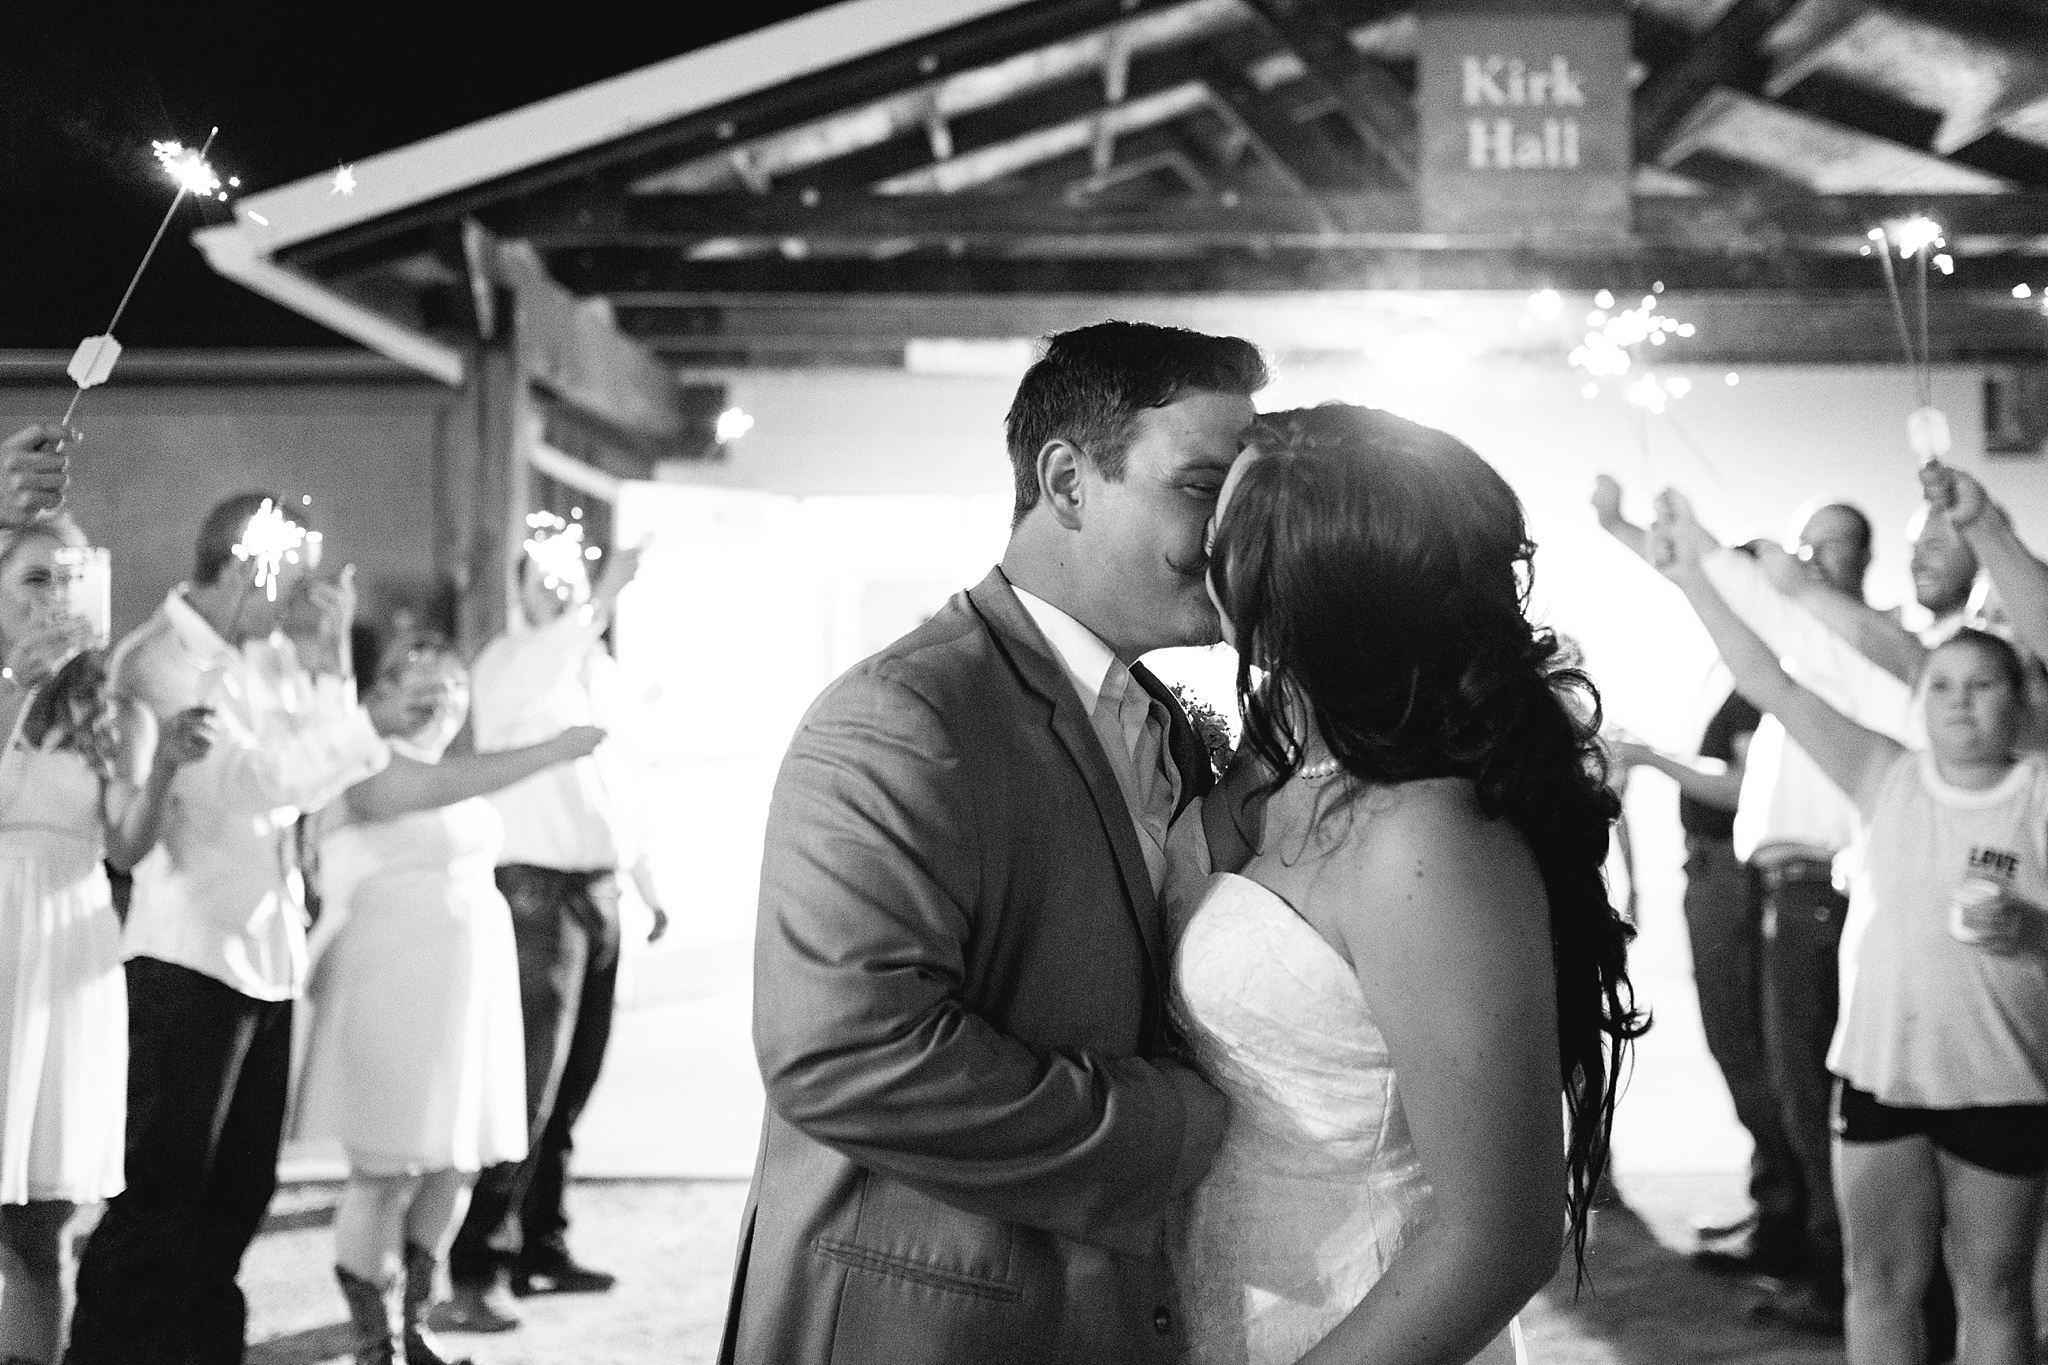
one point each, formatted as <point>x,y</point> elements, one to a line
<point>370,1316</point>
<point>420,1346</point>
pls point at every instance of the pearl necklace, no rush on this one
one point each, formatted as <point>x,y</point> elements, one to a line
<point>1316,772</point>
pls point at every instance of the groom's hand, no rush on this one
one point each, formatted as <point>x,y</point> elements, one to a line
<point>1234,814</point>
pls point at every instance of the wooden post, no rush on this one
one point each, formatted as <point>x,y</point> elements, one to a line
<point>480,487</point>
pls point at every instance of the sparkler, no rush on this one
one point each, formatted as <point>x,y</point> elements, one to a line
<point>270,541</point>
<point>1919,239</point>
<point>1612,350</point>
<point>556,548</point>
<point>344,182</point>
<point>94,359</point>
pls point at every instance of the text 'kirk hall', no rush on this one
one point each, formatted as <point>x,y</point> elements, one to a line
<point>1539,134</point>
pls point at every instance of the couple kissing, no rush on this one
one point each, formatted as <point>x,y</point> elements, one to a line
<point>1078,1051</point>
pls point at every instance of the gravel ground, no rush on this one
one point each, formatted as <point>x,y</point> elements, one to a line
<point>672,1242</point>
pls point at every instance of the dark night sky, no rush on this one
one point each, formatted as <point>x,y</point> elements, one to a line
<point>295,88</point>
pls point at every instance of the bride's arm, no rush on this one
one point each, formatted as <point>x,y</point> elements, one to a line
<point>1444,916</point>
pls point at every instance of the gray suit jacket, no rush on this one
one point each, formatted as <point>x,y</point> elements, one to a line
<point>972,1137</point>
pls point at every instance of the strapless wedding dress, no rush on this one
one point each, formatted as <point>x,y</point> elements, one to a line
<point>1317,1186</point>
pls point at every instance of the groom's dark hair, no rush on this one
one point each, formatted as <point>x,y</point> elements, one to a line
<point>1092,383</point>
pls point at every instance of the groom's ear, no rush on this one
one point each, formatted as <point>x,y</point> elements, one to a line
<point>1059,481</point>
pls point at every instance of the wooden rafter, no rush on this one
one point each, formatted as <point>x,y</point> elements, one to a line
<point>1730,327</point>
<point>1981,224</point>
<point>1725,56</point>
<point>1378,107</point>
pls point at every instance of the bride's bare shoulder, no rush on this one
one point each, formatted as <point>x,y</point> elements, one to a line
<point>1435,832</point>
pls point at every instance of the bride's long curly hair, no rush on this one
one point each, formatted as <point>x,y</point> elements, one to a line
<point>1378,572</point>
<point>74,704</point>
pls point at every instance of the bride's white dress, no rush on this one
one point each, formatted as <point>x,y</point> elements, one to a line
<point>1317,1185</point>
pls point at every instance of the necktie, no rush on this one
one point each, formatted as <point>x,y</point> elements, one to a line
<point>1133,726</point>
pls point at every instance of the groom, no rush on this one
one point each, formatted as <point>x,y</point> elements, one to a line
<point>973,1132</point>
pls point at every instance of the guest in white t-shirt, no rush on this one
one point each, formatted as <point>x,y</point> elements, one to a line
<point>1941,1111</point>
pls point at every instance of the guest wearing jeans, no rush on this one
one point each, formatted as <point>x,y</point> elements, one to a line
<point>1723,920</point>
<point>1790,823</point>
<point>216,938</point>
<point>570,830</point>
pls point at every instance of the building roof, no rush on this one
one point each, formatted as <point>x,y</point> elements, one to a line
<point>834,185</point>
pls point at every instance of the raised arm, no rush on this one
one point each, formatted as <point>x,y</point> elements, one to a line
<point>408,785</point>
<point>1853,757</point>
<point>1444,918</point>
<point>1607,508</point>
<point>34,472</point>
<point>862,1022</point>
<point>2020,578</point>
<point>1874,634</point>
<point>516,671</point>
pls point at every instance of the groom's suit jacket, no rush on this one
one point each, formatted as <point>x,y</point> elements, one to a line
<point>972,1138</point>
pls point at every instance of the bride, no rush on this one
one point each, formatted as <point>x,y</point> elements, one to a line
<point>1415,954</point>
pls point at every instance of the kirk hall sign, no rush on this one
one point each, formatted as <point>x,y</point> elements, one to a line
<point>1547,139</point>
<point>1525,118</point>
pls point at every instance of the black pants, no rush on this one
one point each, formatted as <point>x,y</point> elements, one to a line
<point>567,928</point>
<point>207,1074</point>
<point>1802,933</point>
<point>1724,920</point>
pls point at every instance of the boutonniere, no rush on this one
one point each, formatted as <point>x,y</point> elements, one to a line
<point>1211,726</point>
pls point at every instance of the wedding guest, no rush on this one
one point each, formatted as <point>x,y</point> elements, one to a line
<point>83,776</point>
<point>2018,579</point>
<point>1941,1112</point>
<point>215,939</point>
<point>1944,572</point>
<point>1791,821</point>
<point>416,1063</point>
<point>569,833</point>
<point>1723,920</point>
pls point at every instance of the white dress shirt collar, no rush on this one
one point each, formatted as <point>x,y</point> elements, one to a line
<point>1087,659</point>
<point>194,631</point>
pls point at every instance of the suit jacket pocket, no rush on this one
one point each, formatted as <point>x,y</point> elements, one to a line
<point>909,1236</point>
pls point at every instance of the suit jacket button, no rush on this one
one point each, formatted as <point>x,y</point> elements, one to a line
<point>1162,1322</point>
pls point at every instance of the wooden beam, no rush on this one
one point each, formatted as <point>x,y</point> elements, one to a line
<point>1731,327</point>
<point>1293,149</point>
<point>571,346</point>
<point>642,151</point>
<point>1771,222</point>
<point>636,279</point>
<point>1725,55</point>
<point>1376,105</point>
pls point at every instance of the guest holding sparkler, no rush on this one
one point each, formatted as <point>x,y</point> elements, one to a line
<point>568,832</point>
<point>416,1063</point>
<point>82,777</point>
<point>1791,821</point>
<point>2018,579</point>
<point>215,939</point>
<point>33,471</point>
<point>1941,1106</point>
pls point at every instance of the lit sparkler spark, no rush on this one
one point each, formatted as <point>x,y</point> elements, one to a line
<point>734,423</point>
<point>1612,338</point>
<point>187,168</point>
<point>270,541</point>
<point>556,548</point>
<point>344,181</point>
<point>1914,235</point>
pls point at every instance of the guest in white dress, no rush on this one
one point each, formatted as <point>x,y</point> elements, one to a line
<point>77,784</point>
<point>1418,952</point>
<point>416,1063</point>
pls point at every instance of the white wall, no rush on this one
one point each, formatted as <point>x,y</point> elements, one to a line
<point>1749,455</point>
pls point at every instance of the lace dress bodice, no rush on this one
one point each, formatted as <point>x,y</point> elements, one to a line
<point>1317,1186</point>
